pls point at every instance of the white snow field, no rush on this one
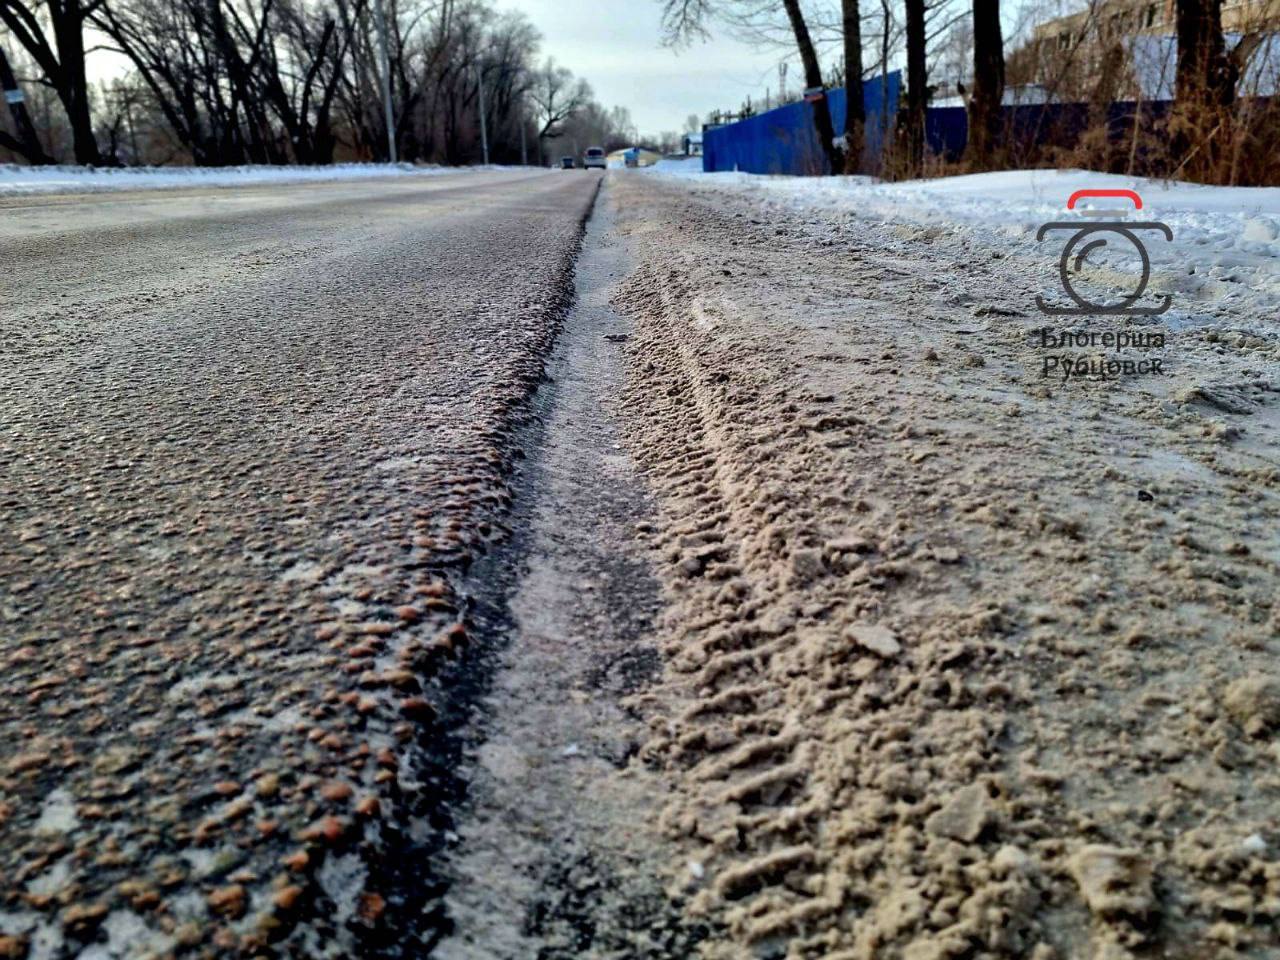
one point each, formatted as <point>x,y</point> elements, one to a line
<point>1226,240</point>
<point>19,180</point>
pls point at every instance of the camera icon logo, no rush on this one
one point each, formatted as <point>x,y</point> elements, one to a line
<point>1090,237</point>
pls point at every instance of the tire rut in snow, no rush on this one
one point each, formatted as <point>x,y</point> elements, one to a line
<point>556,855</point>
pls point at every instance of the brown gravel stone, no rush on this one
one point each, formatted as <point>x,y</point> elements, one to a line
<point>287,898</point>
<point>228,901</point>
<point>400,679</point>
<point>82,918</point>
<point>28,761</point>
<point>371,907</point>
<point>336,791</point>
<point>146,900</point>
<point>328,829</point>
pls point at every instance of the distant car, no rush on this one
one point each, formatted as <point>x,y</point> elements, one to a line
<point>566,163</point>
<point>595,158</point>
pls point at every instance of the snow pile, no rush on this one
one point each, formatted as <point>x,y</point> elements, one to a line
<point>1226,240</point>
<point>678,165</point>
<point>18,180</point>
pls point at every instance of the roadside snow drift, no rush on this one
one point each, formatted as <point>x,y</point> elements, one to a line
<point>1226,240</point>
<point>17,180</point>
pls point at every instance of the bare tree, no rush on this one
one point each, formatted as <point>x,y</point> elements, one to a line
<point>59,52</point>
<point>288,81</point>
<point>855,117</point>
<point>1202,63</point>
<point>1204,84</point>
<point>26,143</point>
<point>686,20</point>
<point>813,80</point>
<point>556,97</point>
<point>917,85</point>
<point>985,114</point>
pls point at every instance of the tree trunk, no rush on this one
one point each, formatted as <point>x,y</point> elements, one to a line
<point>1203,86</point>
<point>813,79</point>
<point>886,13</point>
<point>73,85</point>
<point>1202,62</point>
<point>855,110</point>
<point>27,143</point>
<point>985,114</point>
<point>917,86</point>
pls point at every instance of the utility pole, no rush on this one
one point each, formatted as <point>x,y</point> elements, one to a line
<point>484,130</point>
<point>381,16</point>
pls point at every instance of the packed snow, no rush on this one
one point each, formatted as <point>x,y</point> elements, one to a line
<point>20,181</point>
<point>1226,240</point>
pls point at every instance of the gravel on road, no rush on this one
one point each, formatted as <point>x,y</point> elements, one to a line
<point>249,443</point>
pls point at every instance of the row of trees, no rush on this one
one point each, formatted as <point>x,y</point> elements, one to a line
<point>924,32</point>
<point>221,82</point>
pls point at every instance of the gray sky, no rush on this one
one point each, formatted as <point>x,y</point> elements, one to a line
<point>615,45</point>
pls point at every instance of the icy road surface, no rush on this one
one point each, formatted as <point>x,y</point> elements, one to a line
<point>248,441</point>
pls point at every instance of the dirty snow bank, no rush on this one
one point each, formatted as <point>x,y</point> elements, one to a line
<point>18,180</point>
<point>1226,240</point>
<point>962,661</point>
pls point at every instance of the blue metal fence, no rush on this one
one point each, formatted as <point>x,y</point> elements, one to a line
<point>1042,125</point>
<point>784,141</point>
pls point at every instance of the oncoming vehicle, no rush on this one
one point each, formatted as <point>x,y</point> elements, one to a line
<point>595,158</point>
<point>566,163</point>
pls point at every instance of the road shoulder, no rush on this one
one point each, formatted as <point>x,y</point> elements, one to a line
<point>959,657</point>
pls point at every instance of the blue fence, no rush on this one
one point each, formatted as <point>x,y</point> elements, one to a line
<point>784,141</point>
<point>1041,125</point>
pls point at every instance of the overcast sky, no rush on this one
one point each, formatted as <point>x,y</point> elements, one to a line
<point>616,47</point>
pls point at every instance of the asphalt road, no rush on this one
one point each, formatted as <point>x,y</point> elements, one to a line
<point>249,442</point>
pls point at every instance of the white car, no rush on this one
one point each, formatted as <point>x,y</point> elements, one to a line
<point>595,158</point>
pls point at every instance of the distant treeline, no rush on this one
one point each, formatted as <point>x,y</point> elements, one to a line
<point>222,82</point>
